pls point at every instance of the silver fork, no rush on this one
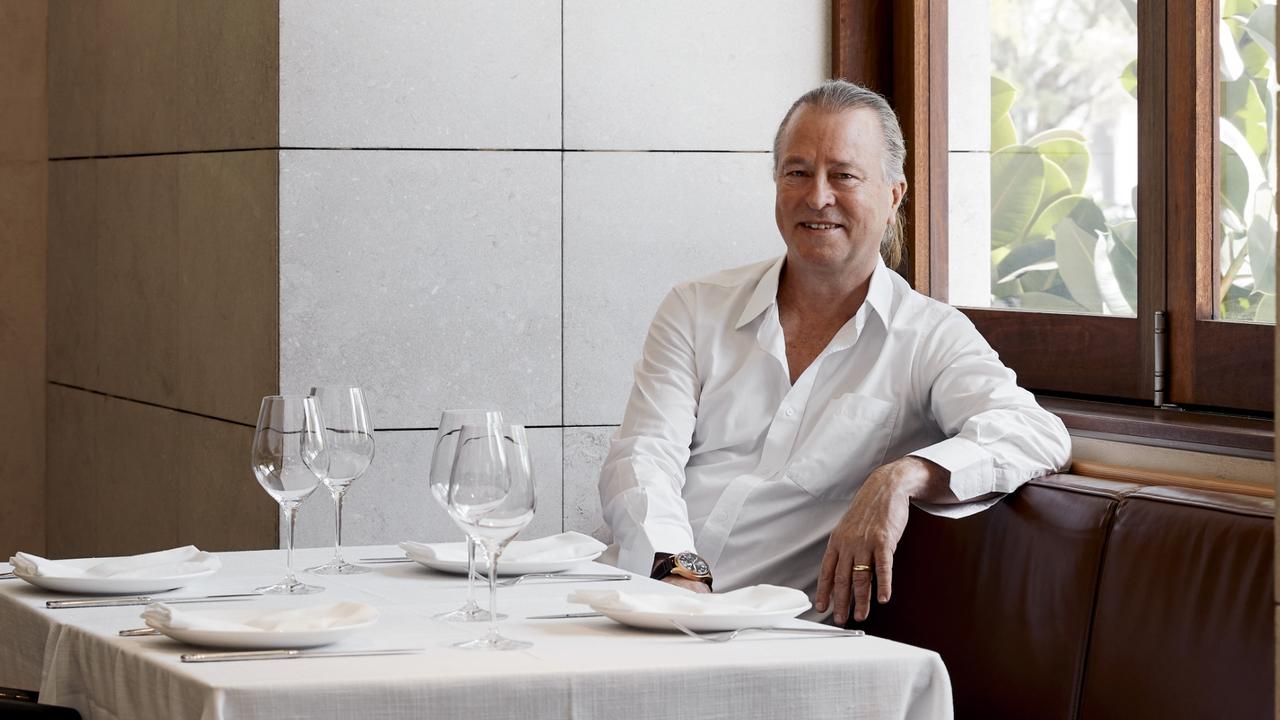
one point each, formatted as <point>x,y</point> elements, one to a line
<point>727,636</point>
<point>580,577</point>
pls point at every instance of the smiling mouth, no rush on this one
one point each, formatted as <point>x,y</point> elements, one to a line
<point>820,226</point>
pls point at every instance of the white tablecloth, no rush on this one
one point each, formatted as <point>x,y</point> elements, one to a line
<point>577,669</point>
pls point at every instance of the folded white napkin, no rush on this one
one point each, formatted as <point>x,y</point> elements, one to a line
<point>316,617</point>
<point>757,599</point>
<point>186,560</point>
<point>553,548</point>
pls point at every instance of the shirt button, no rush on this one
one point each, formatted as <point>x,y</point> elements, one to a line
<point>789,412</point>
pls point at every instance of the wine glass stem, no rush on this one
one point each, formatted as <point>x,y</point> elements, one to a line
<point>291,517</point>
<point>337,536</point>
<point>492,554</point>
<point>471,572</point>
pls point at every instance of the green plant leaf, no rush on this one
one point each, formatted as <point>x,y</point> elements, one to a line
<point>1073,248</point>
<point>1266,310</point>
<point>1262,28</point>
<point>1017,181</point>
<point>1003,133</point>
<point>1238,7</point>
<point>1235,182</point>
<point>1234,142</point>
<point>1106,275</point>
<point>1006,290</point>
<point>1124,260</point>
<point>1242,104</point>
<point>1129,78</point>
<point>1083,210</point>
<point>1056,134</point>
<point>1072,156</point>
<point>1056,185</point>
<point>1003,93</point>
<point>1049,302</point>
<point>1024,257</point>
<point>1230,64</point>
<point>1262,255</point>
<point>1041,280</point>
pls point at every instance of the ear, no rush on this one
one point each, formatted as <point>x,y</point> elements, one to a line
<point>898,191</point>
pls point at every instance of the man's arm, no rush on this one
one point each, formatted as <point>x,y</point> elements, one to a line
<point>998,438</point>
<point>643,474</point>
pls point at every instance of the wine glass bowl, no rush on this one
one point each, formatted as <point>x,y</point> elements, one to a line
<point>288,457</point>
<point>349,442</point>
<point>442,463</point>
<point>491,496</point>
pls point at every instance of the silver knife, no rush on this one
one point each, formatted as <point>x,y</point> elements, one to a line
<point>565,616</point>
<point>145,600</point>
<point>290,654</point>
<point>140,632</point>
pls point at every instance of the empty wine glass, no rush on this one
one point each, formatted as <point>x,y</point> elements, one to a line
<point>348,436</point>
<point>451,422</point>
<point>491,496</point>
<point>289,458</point>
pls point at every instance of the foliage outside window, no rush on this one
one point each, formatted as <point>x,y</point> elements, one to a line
<point>1063,157</point>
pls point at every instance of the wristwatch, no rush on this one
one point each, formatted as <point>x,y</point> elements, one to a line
<point>682,564</point>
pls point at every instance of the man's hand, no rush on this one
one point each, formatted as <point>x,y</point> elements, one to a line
<point>868,535</point>
<point>695,585</point>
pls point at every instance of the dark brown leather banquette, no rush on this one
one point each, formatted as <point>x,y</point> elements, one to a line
<point>1081,598</point>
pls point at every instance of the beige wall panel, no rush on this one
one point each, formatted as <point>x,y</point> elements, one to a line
<point>229,81</point>
<point>22,354</point>
<point>228,283</point>
<point>74,100</point>
<point>75,480</point>
<point>73,273</point>
<point>23,128</point>
<point>138,277</point>
<point>221,505</point>
<point>138,65</point>
<point>139,473</point>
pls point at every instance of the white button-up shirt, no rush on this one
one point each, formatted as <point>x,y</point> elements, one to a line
<point>721,454</point>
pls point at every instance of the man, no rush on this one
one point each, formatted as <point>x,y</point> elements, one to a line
<point>785,414</point>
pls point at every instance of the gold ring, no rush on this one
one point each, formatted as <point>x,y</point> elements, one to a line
<point>861,568</point>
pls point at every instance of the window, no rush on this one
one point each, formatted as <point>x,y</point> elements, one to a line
<point>1087,173</point>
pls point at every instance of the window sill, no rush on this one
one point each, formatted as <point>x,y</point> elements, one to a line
<point>1166,427</point>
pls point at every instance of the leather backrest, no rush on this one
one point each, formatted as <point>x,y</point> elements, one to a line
<point>1005,596</point>
<point>1184,620</point>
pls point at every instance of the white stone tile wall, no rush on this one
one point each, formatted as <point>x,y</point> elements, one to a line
<point>969,152</point>
<point>471,213</point>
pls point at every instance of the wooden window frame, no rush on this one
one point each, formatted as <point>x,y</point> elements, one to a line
<point>900,49</point>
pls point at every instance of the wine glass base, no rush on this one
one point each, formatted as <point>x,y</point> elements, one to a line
<point>493,642</point>
<point>472,613</point>
<point>284,587</point>
<point>339,567</point>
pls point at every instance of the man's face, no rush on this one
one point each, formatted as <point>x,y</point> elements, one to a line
<point>833,199</point>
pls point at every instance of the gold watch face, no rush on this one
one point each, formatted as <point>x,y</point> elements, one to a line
<point>694,564</point>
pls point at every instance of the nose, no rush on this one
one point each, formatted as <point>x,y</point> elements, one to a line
<point>819,193</point>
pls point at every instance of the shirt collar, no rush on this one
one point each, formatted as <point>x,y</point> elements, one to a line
<point>766,294</point>
<point>879,294</point>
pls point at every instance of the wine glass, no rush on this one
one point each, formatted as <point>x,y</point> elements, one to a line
<point>491,496</point>
<point>451,422</point>
<point>348,436</point>
<point>289,458</point>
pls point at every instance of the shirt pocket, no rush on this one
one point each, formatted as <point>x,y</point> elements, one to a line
<point>848,442</point>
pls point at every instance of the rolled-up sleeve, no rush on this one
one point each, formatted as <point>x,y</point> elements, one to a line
<point>998,437</point>
<point>643,475</point>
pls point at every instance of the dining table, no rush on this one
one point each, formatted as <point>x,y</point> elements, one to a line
<point>577,668</point>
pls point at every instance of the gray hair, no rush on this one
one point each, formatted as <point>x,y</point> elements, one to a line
<point>841,95</point>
